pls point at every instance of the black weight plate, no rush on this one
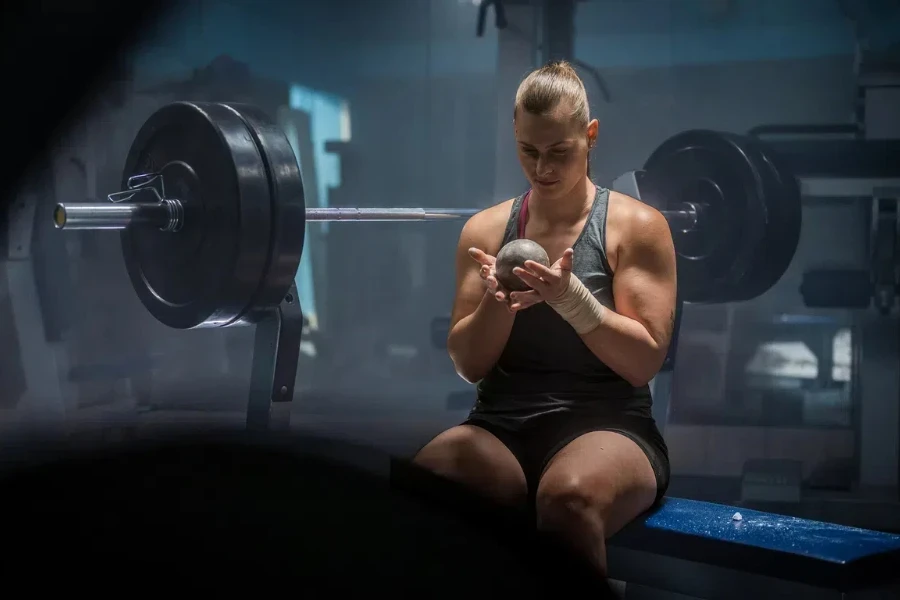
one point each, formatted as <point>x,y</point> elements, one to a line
<point>288,205</point>
<point>784,219</point>
<point>713,170</point>
<point>206,274</point>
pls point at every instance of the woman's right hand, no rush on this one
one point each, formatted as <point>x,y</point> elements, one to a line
<point>514,301</point>
<point>489,275</point>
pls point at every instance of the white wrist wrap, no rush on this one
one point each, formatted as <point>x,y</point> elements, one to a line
<point>578,307</point>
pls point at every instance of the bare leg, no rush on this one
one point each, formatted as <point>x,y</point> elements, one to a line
<point>474,457</point>
<point>592,488</point>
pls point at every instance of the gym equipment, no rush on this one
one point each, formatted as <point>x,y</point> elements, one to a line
<point>884,244</point>
<point>879,285</point>
<point>213,214</point>
<point>748,213</point>
<point>514,254</point>
<point>837,288</point>
<point>499,16</point>
<point>702,550</point>
<point>772,480</point>
<point>784,219</point>
<point>212,219</point>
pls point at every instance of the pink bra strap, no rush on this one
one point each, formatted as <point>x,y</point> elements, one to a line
<point>523,215</point>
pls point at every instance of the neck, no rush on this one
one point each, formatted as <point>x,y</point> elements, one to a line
<point>569,208</point>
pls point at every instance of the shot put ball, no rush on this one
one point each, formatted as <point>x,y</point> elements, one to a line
<point>514,254</point>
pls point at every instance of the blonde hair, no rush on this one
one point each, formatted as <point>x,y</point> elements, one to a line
<point>545,88</point>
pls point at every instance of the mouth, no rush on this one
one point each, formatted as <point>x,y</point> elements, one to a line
<point>546,183</point>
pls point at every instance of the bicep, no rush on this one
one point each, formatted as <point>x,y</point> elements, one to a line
<point>644,284</point>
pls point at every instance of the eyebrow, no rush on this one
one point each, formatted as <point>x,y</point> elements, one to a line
<point>550,146</point>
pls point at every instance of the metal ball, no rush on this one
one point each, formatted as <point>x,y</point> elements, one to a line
<point>514,254</point>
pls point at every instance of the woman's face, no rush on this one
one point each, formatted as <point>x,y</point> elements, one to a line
<point>553,150</point>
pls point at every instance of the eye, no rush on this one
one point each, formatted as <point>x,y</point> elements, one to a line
<point>560,152</point>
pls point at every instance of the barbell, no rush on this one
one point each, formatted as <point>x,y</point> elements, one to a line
<point>212,214</point>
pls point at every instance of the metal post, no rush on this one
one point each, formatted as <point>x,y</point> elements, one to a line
<point>43,362</point>
<point>276,352</point>
<point>558,18</point>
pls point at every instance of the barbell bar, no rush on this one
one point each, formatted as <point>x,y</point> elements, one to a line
<point>167,215</point>
<point>212,214</point>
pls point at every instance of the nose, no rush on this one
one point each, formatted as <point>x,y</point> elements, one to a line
<point>543,167</point>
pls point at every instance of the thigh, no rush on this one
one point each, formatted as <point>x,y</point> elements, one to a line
<point>607,471</point>
<point>474,457</point>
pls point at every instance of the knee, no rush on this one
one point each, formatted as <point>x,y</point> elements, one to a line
<point>569,503</point>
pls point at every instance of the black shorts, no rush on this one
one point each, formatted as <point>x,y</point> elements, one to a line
<point>537,441</point>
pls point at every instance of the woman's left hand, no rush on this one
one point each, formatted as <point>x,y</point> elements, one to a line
<point>547,283</point>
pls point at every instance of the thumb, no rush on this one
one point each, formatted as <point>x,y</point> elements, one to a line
<point>479,256</point>
<point>565,263</point>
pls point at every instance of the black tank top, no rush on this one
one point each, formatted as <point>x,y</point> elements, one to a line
<point>546,367</point>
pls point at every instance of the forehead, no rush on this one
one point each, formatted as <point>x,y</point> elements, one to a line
<point>543,130</point>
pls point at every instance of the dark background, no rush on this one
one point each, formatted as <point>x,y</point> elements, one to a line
<point>421,109</point>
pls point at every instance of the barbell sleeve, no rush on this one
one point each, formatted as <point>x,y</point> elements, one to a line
<point>167,215</point>
<point>685,218</point>
<point>92,216</point>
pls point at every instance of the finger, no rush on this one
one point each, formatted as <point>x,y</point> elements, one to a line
<point>517,306</point>
<point>565,263</point>
<point>540,270</point>
<point>525,298</point>
<point>481,257</point>
<point>524,302</point>
<point>484,271</point>
<point>529,278</point>
<point>496,289</point>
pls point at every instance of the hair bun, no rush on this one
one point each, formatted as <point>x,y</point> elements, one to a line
<point>562,67</point>
<point>544,88</point>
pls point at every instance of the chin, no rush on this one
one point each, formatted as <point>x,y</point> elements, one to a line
<point>558,190</point>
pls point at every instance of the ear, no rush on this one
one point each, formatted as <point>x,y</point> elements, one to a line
<point>592,130</point>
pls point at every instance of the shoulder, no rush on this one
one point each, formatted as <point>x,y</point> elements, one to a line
<point>485,229</point>
<point>637,223</point>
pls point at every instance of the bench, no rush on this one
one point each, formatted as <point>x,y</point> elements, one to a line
<point>689,549</point>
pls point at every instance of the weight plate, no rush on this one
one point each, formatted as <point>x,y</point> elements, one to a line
<point>713,171</point>
<point>784,218</point>
<point>288,205</point>
<point>206,274</point>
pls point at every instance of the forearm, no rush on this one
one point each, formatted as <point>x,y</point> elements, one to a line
<point>622,343</point>
<point>476,342</point>
<point>626,347</point>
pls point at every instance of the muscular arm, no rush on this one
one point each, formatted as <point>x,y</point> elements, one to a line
<point>634,339</point>
<point>479,324</point>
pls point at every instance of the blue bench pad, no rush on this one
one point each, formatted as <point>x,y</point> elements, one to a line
<point>822,554</point>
